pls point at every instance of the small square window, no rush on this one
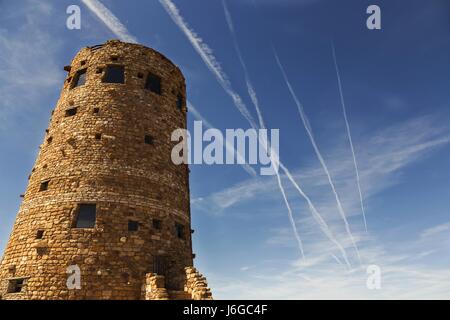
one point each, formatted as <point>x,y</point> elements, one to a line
<point>96,110</point>
<point>71,112</point>
<point>98,136</point>
<point>44,185</point>
<point>40,234</point>
<point>83,62</point>
<point>148,139</point>
<point>79,79</point>
<point>114,74</point>
<point>179,228</point>
<point>16,285</point>
<point>86,216</point>
<point>99,70</point>
<point>153,83</point>
<point>114,58</point>
<point>49,140</point>
<point>133,225</point>
<point>157,224</point>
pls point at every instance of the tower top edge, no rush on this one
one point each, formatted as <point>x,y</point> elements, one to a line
<point>120,43</point>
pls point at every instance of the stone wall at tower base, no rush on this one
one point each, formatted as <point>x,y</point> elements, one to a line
<point>196,287</point>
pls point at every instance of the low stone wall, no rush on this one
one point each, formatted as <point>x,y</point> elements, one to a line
<point>196,285</point>
<point>155,287</point>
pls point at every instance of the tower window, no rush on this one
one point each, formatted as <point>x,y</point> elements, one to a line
<point>71,112</point>
<point>157,224</point>
<point>153,83</point>
<point>98,136</point>
<point>133,225</point>
<point>49,140</point>
<point>179,229</point>
<point>96,110</point>
<point>179,101</point>
<point>114,74</point>
<point>87,214</point>
<point>44,185</point>
<point>39,234</point>
<point>79,79</point>
<point>16,285</point>
<point>148,139</point>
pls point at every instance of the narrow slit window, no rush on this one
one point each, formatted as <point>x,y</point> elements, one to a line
<point>153,83</point>
<point>133,226</point>
<point>71,112</point>
<point>16,285</point>
<point>179,229</point>
<point>79,79</point>
<point>180,101</point>
<point>114,74</point>
<point>148,139</point>
<point>87,214</point>
<point>44,185</point>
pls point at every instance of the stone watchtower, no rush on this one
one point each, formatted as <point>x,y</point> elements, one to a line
<point>104,202</point>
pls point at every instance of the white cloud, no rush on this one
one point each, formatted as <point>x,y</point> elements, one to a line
<point>436,230</point>
<point>26,73</point>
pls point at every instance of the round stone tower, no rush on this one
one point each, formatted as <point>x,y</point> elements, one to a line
<point>106,214</point>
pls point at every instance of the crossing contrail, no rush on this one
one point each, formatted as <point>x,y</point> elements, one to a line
<point>308,129</point>
<point>349,135</point>
<point>254,99</point>
<point>266,144</point>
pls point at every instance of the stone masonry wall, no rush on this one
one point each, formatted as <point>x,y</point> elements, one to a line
<point>99,156</point>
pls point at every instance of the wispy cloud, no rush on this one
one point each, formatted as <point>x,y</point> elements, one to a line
<point>110,20</point>
<point>16,73</point>
<point>439,229</point>
<point>397,147</point>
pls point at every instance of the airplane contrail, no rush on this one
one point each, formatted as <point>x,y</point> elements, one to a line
<point>228,146</point>
<point>208,58</point>
<point>349,135</point>
<point>316,215</point>
<point>254,99</point>
<point>308,129</point>
<point>255,102</point>
<point>110,20</point>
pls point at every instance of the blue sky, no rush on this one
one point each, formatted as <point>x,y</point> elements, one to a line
<point>395,84</point>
